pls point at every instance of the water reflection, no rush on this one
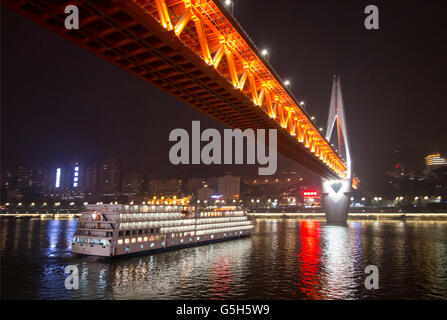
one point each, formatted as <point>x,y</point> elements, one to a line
<point>338,260</point>
<point>309,258</point>
<point>284,259</point>
<point>221,277</point>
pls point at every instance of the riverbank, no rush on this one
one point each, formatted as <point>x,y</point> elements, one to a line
<point>358,216</point>
<point>314,216</point>
<point>41,215</point>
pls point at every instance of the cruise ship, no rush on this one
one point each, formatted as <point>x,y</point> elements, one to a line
<point>117,229</point>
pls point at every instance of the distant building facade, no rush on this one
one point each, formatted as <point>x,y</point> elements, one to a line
<point>204,193</point>
<point>194,184</point>
<point>165,187</point>
<point>131,183</point>
<point>229,187</point>
<point>435,161</point>
<point>109,176</point>
<point>91,179</point>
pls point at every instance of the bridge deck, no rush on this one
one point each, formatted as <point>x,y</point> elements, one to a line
<point>195,51</point>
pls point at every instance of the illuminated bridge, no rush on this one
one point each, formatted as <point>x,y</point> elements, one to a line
<point>197,52</point>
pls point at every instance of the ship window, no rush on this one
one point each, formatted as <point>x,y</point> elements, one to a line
<point>120,241</point>
<point>140,231</point>
<point>133,240</point>
<point>145,239</point>
<point>127,249</point>
<point>140,239</point>
<point>127,233</point>
<point>152,245</point>
<point>198,238</point>
<point>141,246</point>
<point>181,240</point>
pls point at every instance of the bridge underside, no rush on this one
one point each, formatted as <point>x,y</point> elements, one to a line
<point>125,35</point>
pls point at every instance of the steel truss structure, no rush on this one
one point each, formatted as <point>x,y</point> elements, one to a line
<point>196,51</point>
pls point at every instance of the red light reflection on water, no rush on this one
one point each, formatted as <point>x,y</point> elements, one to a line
<point>309,259</point>
<point>222,277</point>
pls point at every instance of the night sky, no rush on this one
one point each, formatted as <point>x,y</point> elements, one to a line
<point>60,102</point>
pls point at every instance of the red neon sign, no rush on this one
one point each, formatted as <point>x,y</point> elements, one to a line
<point>310,194</point>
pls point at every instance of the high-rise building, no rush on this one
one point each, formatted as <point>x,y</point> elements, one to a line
<point>435,161</point>
<point>22,179</point>
<point>229,187</point>
<point>91,179</point>
<point>204,193</point>
<point>109,176</point>
<point>58,180</point>
<point>165,187</point>
<point>131,183</point>
<point>76,176</point>
<point>194,184</point>
<point>7,180</point>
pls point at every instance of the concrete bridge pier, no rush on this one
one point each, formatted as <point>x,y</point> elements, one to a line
<point>336,199</point>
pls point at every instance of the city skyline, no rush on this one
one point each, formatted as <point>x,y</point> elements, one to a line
<point>79,180</point>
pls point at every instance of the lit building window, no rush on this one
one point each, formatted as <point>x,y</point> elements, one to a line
<point>58,178</point>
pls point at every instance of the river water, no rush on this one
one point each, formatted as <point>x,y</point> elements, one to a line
<point>284,259</point>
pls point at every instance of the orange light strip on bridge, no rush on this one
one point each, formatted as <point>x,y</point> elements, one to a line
<point>355,183</point>
<point>206,30</point>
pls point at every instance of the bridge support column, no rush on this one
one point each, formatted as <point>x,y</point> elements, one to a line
<point>336,199</point>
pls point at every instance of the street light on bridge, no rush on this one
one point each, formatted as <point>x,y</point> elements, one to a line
<point>265,54</point>
<point>229,3</point>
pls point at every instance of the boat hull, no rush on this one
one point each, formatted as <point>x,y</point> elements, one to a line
<point>157,245</point>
